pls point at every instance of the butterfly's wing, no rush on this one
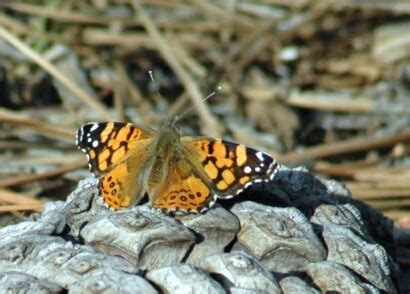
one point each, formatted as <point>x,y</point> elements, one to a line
<point>181,189</point>
<point>229,167</point>
<point>115,153</point>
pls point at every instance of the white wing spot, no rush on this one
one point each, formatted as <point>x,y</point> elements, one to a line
<point>89,140</point>
<point>258,181</point>
<point>247,169</point>
<point>94,127</point>
<point>257,169</point>
<point>95,143</point>
<point>274,172</point>
<point>260,155</point>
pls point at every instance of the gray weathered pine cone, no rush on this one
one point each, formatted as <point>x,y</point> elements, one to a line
<point>298,234</point>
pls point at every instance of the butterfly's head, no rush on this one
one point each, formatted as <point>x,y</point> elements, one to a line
<point>167,138</point>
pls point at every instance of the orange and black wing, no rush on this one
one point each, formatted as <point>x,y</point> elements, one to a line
<point>230,167</point>
<point>182,190</point>
<point>115,153</point>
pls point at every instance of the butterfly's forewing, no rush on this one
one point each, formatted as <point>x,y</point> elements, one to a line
<point>108,143</point>
<point>112,149</point>
<point>230,167</point>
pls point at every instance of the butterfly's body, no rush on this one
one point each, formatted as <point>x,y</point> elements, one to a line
<point>165,146</point>
<point>178,173</point>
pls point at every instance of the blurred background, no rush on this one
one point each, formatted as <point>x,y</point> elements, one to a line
<point>323,84</point>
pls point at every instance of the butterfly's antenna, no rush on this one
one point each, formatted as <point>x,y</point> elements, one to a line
<point>178,117</point>
<point>151,75</point>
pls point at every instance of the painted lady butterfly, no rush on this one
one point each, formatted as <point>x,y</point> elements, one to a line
<point>179,174</point>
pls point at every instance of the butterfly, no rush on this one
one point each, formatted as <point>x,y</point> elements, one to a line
<point>179,173</point>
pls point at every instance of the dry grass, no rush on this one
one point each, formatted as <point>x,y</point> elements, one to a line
<point>318,83</point>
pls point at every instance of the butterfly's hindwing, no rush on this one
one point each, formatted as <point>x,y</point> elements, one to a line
<point>182,190</point>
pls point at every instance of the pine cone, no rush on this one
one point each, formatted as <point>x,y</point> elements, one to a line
<point>297,234</point>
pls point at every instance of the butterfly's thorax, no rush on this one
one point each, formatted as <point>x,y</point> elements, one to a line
<point>166,140</point>
<point>166,145</point>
